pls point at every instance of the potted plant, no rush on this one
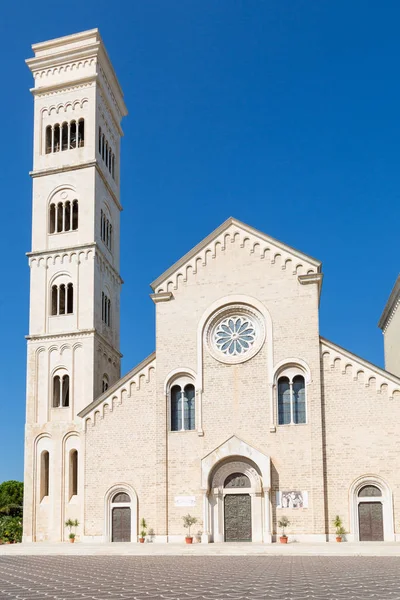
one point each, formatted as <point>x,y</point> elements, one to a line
<point>283,523</point>
<point>72,523</point>
<point>143,528</point>
<point>188,521</point>
<point>340,530</point>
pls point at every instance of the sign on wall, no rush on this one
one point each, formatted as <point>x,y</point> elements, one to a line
<point>292,499</point>
<point>185,500</point>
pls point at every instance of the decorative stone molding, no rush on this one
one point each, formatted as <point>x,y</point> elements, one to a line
<point>56,337</point>
<point>162,297</point>
<point>361,370</point>
<point>64,107</point>
<point>251,240</point>
<point>391,306</point>
<point>119,392</point>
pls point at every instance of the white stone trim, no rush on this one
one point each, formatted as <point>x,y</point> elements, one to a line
<point>387,504</point>
<point>109,505</point>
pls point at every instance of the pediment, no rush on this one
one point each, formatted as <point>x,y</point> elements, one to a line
<point>235,447</point>
<point>251,240</point>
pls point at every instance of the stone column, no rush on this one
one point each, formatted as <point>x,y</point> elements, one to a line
<point>206,535</point>
<point>267,517</point>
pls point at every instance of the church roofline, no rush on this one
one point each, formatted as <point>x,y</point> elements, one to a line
<point>214,234</point>
<point>117,385</point>
<point>391,306</point>
<point>361,361</point>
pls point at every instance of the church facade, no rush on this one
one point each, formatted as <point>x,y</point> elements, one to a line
<point>242,415</point>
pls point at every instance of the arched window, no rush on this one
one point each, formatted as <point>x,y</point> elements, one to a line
<point>183,406</point>
<point>105,309</point>
<point>99,140</point>
<point>73,473</point>
<point>81,133</point>
<point>72,129</point>
<point>60,217</point>
<point>106,229</point>
<point>44,474</point>
<point>103,146</point>
<point>121,497</point>
<point>60,390</point>
<point>62,299</point>
<point>75,215</point>
<point>369,491</point>
<point>52,219</point>
<point>56,143</point>
<point>113,166</point>
<point>105,383</point>
<point>64,136</point>
<point>49,139</point>
<point>291,397</point>
<point>237,480</point>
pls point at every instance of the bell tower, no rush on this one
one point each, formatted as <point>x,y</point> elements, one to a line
<point>73,341</point>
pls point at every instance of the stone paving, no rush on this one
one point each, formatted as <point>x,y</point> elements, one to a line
<point>201,577</point>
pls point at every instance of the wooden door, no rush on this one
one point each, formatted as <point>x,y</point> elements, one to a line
<point>237,512</point>
<point>370,518</point>
<point>121,524</point>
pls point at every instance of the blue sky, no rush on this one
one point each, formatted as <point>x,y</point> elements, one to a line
<point>283,113</point>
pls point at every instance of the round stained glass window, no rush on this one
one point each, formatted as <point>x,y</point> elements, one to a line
<point>235,334</point>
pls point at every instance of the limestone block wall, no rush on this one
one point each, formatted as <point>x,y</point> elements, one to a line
<point>361,411</point>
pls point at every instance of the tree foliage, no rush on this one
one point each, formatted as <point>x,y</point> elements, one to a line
<point>11,498</point>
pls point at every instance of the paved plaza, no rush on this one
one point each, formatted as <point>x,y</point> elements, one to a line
<point>199,577</point>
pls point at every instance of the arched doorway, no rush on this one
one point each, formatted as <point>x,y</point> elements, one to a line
<point>236,502</point>
<point>237,508</point>
<point>371,516</point>
<point>121,517</point>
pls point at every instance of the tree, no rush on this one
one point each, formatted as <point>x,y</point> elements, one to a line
<point>11,498</point>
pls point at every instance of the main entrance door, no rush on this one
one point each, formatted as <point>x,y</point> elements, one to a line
<point>370,518</point>
<point>237,518</point>
<point>121,524</point>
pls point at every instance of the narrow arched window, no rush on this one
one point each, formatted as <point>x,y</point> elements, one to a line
<point>65,390</point>
<point>291,398</point>
<point>189,407</point>
<point>75,215</point>
<point>64,136</point>
<point>44,474</point>
<point>176,408</point>
<point>54,300</point>
<point>109,159</point>
<point>56,391</point>
<point>284,417</point>
<point>81,133</point>
<point>73,134</point>
<point>52,218</point>
<point>105,383</point>
<point>299,399</point>
<point>70,298</point>
<point>61,309</point>
<point>60,217</point>
<point>99,140</point>
<point>49,137</point>
<point>103,146</point>
<point>67,216</point>
<point>73,473</point>
<point>113,166</point>
<point>57,141</point>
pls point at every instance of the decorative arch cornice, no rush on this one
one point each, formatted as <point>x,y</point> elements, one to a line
<point>248,238</point>
<point>292,362</point>
<point>172,376</point>
<point>364,372</point>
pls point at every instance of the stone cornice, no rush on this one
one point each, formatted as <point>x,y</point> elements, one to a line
<point>161,297</point>
<point>56,87</point>
<point>312,278</point>
<point>391,306</point>
<point>114,388</point>
<point>57,336</point>
<point>68,249</point>
<point>75,167</point>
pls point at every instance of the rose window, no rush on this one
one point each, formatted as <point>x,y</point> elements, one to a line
<point>235,336</point>
<point>235,333</point>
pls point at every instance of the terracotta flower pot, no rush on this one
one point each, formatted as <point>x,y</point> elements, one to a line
<point>189,540</point>
<point>141,540</point>
<point>72,540</point>
<point>283,539</point>
<point>338,538</point>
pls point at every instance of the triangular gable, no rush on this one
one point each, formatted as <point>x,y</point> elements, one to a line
<point>235,231</point>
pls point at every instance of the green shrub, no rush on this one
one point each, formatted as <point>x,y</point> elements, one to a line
<point>10,529</point>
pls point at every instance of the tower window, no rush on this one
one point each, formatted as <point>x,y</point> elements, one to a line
<point>73,473</point>
<point>105,309</point>
<point>105,383</point>
<point>106,230</point>
<point>64,136</point>
<point>44,474</point>
<point>60,217</point>
<point>106,153</point>
<point>60,390</point>
<point>62,299</point>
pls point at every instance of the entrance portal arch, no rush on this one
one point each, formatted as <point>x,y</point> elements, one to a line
<point>239,472</point>
<point>371,514</point>
<point>121,514</point>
